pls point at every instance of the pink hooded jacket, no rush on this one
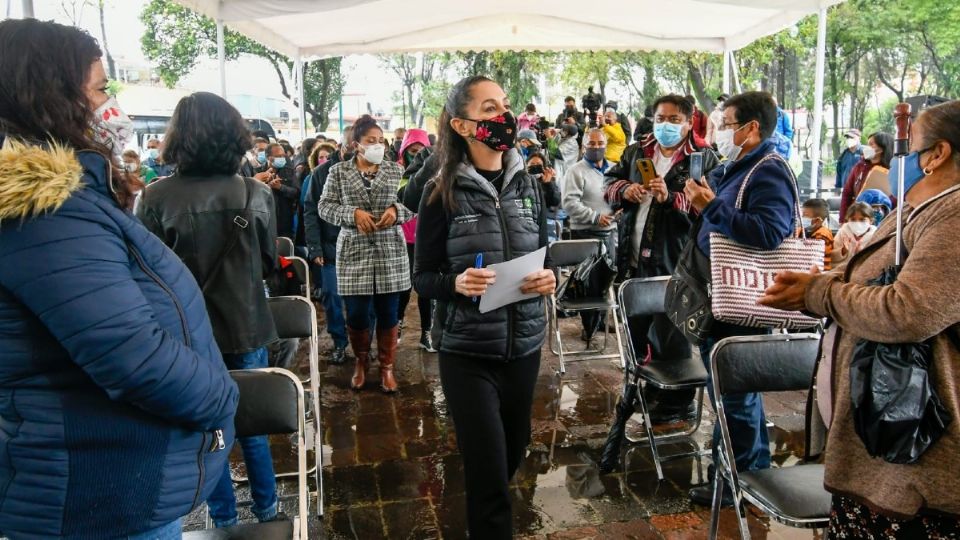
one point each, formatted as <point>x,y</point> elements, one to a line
<point>413,136</point>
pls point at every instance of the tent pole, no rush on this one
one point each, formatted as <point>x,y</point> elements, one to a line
<point>736,73</point>
<point>28,9</point>
<point>815,180</point>
<point>222,60</point>
<point>298,65</point>
<point>341,115</point>
<point>726,72</point>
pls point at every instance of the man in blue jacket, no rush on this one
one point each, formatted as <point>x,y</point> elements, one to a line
<point>764,220</point>
<point>851,155</point>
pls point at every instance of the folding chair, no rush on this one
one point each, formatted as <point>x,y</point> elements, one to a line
<point>295,317</point>
<point>644,297</point>
<point>793,495</point>
<point>284,246</point>
<point>567,253</point>
<point>271,402</point>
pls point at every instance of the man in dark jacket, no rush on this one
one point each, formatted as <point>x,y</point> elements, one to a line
<point>570,111</point>
<point>422,170</point>
<point>281,177</point>
<point>654,229</point>
<point>322,249</point>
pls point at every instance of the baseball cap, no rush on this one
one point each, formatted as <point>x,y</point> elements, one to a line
<point>528,134</point>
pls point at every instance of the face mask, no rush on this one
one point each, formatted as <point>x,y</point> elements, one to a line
<point>595,155</point>
<point>279,163</point>
<point>153,153</point>
<point>261,157</point>
<point>525,151</point>
<point>852,143</point>
<point>725,144</point>
<point>498,133</point>
<point>878,216</point>
<point>667,134</point>
<point>859,228</point>
<point>868,153</point>
<point>373,153</point>
<point>807,222</point>
<point>408,157</point>
<point>112,127</point>
<point>912,173</point>
<point>131,167</point>
<point>535,170</point>
<point>322,161</point>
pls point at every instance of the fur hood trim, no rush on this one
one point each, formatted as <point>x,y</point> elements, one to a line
<point>35,180</point>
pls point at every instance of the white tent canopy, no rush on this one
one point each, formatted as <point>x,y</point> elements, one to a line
<point>306,29</point>
<point>315,28</point>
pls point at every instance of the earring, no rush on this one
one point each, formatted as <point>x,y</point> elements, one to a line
<point>927,171</point>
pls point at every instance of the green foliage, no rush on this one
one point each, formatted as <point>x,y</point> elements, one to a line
<point>879,118</point>
<point>176,37</point>
<point>114,87</point>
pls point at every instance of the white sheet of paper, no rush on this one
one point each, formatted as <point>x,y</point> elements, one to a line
<point>510,277</point>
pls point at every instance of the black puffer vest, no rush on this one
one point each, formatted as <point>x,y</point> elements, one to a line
<point>502,228</point>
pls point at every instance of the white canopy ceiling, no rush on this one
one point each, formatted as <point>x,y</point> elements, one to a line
<point>318,28</point>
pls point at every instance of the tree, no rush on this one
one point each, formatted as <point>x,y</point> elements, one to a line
<point>518,72</point>
<point>417,73</point>
<point>111,65</point>
<point>177,37</point>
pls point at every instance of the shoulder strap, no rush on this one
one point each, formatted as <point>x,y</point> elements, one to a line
<point>240,222</point>
<point>793,184</point>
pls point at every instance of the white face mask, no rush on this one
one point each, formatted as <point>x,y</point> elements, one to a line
<point>725,144</point>
<point>374,153</point>
<point>112,126</point>
<point>858,228</point>
<point>852,143</point>
<point>131,167</point>
<point>868,153</point>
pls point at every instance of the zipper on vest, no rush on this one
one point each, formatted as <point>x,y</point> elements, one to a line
<point>203,450</point>
<point>156,279</point>
<point>507,256</point>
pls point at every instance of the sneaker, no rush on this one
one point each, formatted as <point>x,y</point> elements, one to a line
<point>426,342</point>
<point>338,356</point>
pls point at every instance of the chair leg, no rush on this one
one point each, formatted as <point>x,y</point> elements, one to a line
<point>648,426</point>
<point>556,331</point>
<point>553,325</point>
<point>715,505</point>
<point>616,328</point>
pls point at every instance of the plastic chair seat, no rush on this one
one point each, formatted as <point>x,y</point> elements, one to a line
<point>796,492</point>
<point>271,530</point>
<point>680,372</point>
<point>586,304</point>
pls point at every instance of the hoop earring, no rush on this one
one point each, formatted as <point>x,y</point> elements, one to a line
<point>927,171</point>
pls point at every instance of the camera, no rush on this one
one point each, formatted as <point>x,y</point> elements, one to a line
<point>591,103</point>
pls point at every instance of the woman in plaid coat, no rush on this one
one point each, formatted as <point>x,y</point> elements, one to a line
<point>361,197</point>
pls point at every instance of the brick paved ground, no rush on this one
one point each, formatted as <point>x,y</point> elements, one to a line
<point>392,469</point>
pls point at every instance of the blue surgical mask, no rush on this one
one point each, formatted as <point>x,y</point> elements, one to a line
<point>912,172</point>
<point>878,216</point>
<point>261,157</point>
<point>667,134</point>
<point>807,222</point>
<point>279,162</point>
<point>153,153</point>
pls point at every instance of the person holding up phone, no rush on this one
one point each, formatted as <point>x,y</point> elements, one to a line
<point>647,185</point>
<point>282,179</point>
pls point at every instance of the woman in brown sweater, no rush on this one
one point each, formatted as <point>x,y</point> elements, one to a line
<point>874,498</point>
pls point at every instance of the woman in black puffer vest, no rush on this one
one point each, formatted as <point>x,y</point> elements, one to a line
<point>483,201</point>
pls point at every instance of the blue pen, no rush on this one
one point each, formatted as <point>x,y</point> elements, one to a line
<point>478,264</point>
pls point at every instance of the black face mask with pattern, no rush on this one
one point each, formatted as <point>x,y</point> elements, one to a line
<point>498,133</point>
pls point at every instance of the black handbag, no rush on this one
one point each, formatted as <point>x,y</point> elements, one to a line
<point>896,412</point>
<point>590,279</point>
<point>687,300</point>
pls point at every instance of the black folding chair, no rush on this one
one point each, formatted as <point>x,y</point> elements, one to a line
<point>569,253</point>
<point>793,495</point>
<point>644,297</point>
<point>271,402</point>
<point>284,246</point>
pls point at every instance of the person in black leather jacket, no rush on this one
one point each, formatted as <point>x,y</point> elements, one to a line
<point>223,227</point>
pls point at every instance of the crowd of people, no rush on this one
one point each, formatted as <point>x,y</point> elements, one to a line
<point>115,394</point>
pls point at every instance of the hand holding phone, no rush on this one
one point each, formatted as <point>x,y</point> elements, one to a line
<point>696,166</point>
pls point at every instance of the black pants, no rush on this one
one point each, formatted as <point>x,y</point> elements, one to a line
<point>593,319</point>
<point>423,304</point>
<point>490,403</point>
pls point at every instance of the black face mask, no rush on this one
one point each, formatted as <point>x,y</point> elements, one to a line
<point>498,133</point>
<point>535,170</point>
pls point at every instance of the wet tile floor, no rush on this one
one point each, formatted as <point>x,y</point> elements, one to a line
<point>391,467</point>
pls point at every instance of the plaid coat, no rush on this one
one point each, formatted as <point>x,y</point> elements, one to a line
<point>366,262</point>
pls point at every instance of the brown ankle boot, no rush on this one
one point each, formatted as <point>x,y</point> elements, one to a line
<point>387,355</point>
<point>360,343</point>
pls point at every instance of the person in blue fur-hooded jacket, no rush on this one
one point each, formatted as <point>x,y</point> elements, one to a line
<point>115,404</point>
<point>764,220</point>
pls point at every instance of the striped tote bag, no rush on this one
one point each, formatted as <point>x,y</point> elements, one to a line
<point>740,274</point>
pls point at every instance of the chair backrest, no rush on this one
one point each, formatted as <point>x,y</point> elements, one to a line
<point>302,270</point>
<point>773,363</point>
<point>643,296</point>
<point>573,252</point>
<point>293,316</point>
<point>284,246</point>
<point>271,402</point>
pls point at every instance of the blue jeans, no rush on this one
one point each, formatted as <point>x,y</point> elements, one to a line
<point>256,455</point>
<point>170,531</point>
<point>744,412</point>
<point>385,308</point>
<point>333,306</point>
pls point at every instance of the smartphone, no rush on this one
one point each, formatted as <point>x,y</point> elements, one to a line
<point>647,171</point>
<point>696,166</point>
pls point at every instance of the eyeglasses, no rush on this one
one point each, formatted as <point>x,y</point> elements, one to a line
<point>726,125</point>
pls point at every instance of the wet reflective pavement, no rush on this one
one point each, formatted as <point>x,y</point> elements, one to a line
<point>392,470</point>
